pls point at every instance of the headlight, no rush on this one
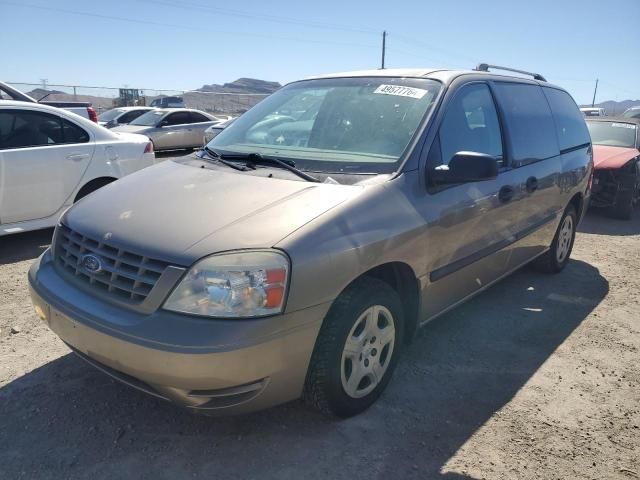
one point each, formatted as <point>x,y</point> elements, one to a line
<point>238,284</point>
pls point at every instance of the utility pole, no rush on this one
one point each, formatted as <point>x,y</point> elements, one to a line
<point>44,82</point>
<point>384,47</point>
<point>594,94</point>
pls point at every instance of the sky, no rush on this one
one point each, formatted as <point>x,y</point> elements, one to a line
<point>181,45</point>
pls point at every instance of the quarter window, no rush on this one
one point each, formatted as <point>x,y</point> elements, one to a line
<point>470,124</point>
<point>530,127</point>
<point>570,125</point>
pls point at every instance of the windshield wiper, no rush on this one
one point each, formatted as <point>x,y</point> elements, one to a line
<point>257,158</point>
<point>217,157</point>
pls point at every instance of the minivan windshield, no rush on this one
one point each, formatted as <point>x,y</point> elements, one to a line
<point>335,125</point>
<point>613,134</point>
<point>149,119</point>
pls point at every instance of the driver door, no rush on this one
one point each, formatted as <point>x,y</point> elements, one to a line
<point>175,132</point>
<point>470,224</point>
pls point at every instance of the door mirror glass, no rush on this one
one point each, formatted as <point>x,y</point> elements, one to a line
<point>163,123</point>
<point>466,167</point>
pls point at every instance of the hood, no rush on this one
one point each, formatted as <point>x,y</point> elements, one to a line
<point>180,213</point>
<point>131,128</point>
<point>612,157</point>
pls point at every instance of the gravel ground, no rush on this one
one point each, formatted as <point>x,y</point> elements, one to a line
<point>536,378</point>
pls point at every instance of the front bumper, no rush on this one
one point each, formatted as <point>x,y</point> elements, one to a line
<point>227,366</point>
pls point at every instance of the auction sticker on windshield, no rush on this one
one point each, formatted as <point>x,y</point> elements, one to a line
<point>623,125</point>
<point>400,91</point>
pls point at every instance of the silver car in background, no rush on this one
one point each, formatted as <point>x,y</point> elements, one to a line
<point>214,130</point>
<point>171,128</point>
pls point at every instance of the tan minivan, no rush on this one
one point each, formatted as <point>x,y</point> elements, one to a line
<point>301,249</point>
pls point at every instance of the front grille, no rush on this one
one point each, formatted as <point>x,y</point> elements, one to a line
<point>123,275</point>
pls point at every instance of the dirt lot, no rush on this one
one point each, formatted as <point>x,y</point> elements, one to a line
<point>536,378</point>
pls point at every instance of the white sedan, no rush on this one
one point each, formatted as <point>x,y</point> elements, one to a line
<point>50,158</point>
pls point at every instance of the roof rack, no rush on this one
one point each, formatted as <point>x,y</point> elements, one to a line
<point>484,67</point>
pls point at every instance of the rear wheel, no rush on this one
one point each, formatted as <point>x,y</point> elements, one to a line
<point>554,260</point>
<point>357,349</point>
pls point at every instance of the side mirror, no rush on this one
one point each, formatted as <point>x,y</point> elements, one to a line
<point>466,167</point>
<point>162,123</point>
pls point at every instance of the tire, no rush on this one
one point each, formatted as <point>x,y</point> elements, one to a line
<point>557,257</point>
<point>334,371</point>
<point>623,207</point>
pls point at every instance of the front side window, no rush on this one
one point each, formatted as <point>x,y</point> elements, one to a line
<point>528,122</point>
<point>338,125</point>
<point>21,129</point>
<point>470,124</point>
<point>613,134</point>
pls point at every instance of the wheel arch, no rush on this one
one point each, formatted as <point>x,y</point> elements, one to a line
<point>578,203</point>
<point>401,278</point>
<point>93,185</point>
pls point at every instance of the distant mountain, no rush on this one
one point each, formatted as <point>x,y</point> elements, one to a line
<point>242,85</point>
<point>41,92</point>
<point>615,108</point>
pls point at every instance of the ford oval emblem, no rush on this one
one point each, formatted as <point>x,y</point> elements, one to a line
<point>91,263</point>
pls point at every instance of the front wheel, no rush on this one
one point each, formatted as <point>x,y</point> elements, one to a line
<point>623,208</point>
<point>558,255</point>
<point>357,349</point>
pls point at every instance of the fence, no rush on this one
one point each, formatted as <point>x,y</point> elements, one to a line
<point>105,98</point>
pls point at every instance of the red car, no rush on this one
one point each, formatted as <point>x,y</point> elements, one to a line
<point>616,161</point>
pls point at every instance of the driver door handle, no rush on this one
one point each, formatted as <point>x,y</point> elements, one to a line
<point>506,193</point>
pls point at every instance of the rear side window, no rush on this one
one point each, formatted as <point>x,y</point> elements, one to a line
<point>178,118</point>
<point>20,129</point>
<point>198,117</point>
<point>529,124</point>
<point>570,125</point>
<point>131,116</point>
<point>73,134</point>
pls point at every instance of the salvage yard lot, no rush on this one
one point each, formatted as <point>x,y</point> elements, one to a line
<point>536,378</point>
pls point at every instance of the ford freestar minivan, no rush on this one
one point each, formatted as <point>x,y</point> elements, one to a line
<point>301,249</point>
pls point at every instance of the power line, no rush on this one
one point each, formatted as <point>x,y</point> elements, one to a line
<point>184,27</point>
<point>263,17</point>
